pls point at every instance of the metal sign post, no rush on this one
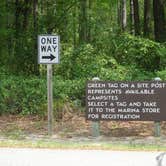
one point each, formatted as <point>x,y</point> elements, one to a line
<point>49,98</point>
<point>48,53</point>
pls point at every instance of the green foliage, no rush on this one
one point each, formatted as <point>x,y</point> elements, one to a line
<point>142,53</point>
<point>106,53</point>
<point>128,73</point>
<point>161,74</point>
<point>162,53</point>
<point>20,95</point>
<point>68,89</point>
<point>87,62</point>
<point>20,25</point>
<point>83,62</point>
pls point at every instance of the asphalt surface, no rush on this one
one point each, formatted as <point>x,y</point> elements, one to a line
<point>45,157</point>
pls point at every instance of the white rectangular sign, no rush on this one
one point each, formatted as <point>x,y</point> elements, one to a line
<point>48,49</point>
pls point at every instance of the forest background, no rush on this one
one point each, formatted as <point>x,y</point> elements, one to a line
<point>109,39</point>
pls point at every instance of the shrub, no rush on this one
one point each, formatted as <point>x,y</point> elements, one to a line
<point>142,53</point>
<point>161,74</point>
<point>19,95</point>
<point>80,63</point>
<point>22,95</point>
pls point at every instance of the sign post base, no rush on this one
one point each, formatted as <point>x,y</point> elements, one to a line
<point>95,125</point>
<point>95,129</point>
<point>157,129</point>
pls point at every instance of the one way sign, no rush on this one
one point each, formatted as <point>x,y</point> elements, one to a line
<point>48,49</point>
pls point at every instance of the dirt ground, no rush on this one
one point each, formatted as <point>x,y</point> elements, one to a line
<point>74,125</point>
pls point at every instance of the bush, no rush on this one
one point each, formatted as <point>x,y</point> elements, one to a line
<point>27,96</point>
<point>22,95</point>
<point>129,58</point>
<point>80,63</point>
<point>127,73</point>
<point>142,53</point>
<point>161,74</point>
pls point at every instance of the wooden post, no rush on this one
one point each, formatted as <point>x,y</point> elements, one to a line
<point>157,126</point>
<point>95,125</point>
<point>95,129</point>
<point>157,129</point>
<point>49,98</point>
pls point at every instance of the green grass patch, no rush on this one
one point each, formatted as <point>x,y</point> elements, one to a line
<point>79,145</point>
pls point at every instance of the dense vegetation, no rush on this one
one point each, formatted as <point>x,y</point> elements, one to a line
<point>111,39</point>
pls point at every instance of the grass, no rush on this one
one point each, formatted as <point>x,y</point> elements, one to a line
<point>79,145</point>
<point>14,132</point>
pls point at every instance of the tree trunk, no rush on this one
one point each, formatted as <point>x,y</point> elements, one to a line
<point>35,7</point>
<point>136,17</point>
<point>159,20</point>
<point>48,27</point>
<point>35,27</point>
<point>74,25</point>
<point>17,14</point>
<point>124,15</point>
<point>17,39</point>
<point>83,22</point>
<point>147,18</point>
<point>119,13</point>
<point>89,21</point>
<point>7,14</point>
<point>42,4</point>
<point>9,38</point>
<point>132,17</point>
<point>26,11</point>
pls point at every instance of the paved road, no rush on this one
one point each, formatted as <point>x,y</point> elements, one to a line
<point>44,157</point>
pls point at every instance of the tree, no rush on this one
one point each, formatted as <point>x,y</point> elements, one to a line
<point>89,37</point>
<point>159,20</point>
<point>124,15</point>
<point>17,15</point>
<point>77,22</point>
<point>74,27</point>
<point>136,17</point>
<point>26,11</point>
<point>147,18</point>
<point>35,27</point>
<point>132,17</point>
<point>119,13</point>
<point>83,21</point>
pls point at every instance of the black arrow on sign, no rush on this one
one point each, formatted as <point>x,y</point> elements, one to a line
<point>51,57</point>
